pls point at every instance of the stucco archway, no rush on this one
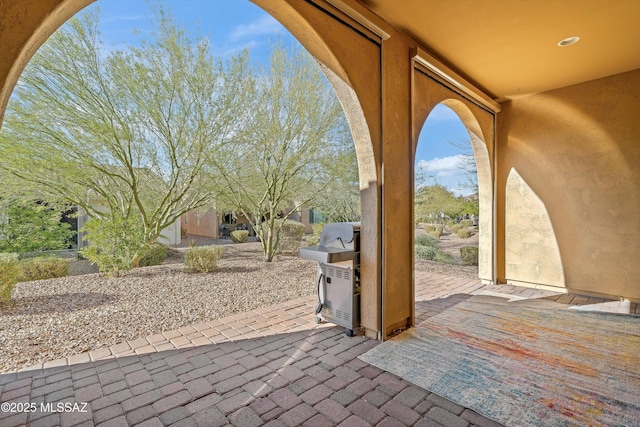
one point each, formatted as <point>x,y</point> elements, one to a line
<point>353,74</point>
<point>430,90</point>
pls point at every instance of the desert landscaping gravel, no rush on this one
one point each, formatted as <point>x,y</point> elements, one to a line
<point>56,318</point>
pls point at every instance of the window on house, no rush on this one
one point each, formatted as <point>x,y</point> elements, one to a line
<point>229,219</point>
<point>316,217</point>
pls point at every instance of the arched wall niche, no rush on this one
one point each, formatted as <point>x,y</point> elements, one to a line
<point>429,91</point>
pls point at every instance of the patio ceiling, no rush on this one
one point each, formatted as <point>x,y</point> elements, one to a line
<point>510,48</point>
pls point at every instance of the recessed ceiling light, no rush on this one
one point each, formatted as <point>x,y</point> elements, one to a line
<point>569,41</point>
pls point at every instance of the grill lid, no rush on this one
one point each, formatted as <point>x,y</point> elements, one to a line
<point>336,243</point>
<point>339,234</point>
<point>325,254</point>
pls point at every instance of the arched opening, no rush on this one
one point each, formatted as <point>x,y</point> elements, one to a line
<point>46,21</point>
<point>357,121</point>
<point>446,195</point>
<point>446,222</point>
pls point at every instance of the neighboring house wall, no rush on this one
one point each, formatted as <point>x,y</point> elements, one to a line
<point>201,222</point>
<point>171,235</point>
<point>306,217</point>
<point>207,223</point>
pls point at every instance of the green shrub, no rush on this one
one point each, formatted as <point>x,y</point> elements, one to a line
<point>115,243</point>
<point>312,239</point>
<point>317,228</point>
<point>239,236</point>
<point>203,259</point>
<point>9,271</point>
<point>154,254</point>
<point>442,256</point>
<point>422,219</point>
<point>427,248</point>
<point>469,255</point>
<point>33,227</point>
<point>464,233</point>
<point>426,240</point>
<point>455,227</point>
<point>429,227</point>
<point>437,231</point>
<point>42,268</point>
<point>466,223</point>
<point>425,252</point>
<point>290,237</point>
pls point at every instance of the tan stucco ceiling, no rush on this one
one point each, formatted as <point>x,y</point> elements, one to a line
<point>510,47</point>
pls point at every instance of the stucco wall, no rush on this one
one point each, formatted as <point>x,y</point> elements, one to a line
<point>568,183</point>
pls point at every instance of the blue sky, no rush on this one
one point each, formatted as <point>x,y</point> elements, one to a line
<point>437,157</point>
<point>233,25</point>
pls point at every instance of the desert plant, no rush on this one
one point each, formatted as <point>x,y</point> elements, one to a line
<point>239,236</point>
<point>203,259</point>
<point>154,254</point>
<point>426,240</point>
<point>464,233</point>
<point>427,253</point>
<point>455,227</point>
<point>469,255</point>
<point>290,237</point>
<point>312,239</point>
<point>317,228</point>
<point>9,271</point>
<point>41,268</point>
<point>444,257</point>
<point>466,223</point>
<point>33,227</point>
<point>437,231</point>
<point>422,219</point>
<point>116,243</point>
<point>428,248</point>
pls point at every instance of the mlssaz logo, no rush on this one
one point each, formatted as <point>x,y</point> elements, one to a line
<point>63,407</point>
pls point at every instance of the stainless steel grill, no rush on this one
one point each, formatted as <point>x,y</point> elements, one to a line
<point>338,280</point>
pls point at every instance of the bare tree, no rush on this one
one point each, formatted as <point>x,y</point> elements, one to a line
<point>467,163</point>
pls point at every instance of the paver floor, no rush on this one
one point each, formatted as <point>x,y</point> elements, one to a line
<point>271,366</point>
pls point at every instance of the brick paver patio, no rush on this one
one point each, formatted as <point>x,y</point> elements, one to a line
<point>271,366</point>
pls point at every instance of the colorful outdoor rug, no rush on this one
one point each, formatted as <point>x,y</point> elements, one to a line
<point>524,363</point>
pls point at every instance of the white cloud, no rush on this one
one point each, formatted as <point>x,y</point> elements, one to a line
<point>445,166</point>
<point>261,27</point>
<point>446,171</point>
<point>116,18</point>
<point>231,50</point>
